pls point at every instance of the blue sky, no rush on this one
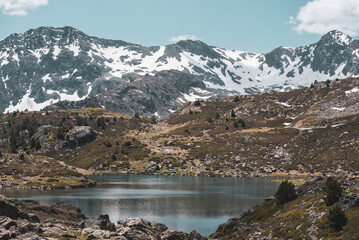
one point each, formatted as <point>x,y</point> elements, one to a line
<point>251,25</point>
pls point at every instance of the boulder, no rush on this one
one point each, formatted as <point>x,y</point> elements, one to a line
<point>151,167</point>
<point>351,200</point>
<point>105,223</point>
<point>7,209</point>
<point>82,135</point>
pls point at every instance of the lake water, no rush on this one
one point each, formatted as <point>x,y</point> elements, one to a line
<point>182,203</point>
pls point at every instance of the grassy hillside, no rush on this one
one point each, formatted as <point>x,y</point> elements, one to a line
<point>306,131</point>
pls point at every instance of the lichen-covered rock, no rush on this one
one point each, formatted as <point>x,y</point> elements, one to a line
<point>151,167</point>
<point>82,135</point>
<point>351,200</point>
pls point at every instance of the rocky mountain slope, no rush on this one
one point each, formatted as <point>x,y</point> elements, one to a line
<point>311,130</point>
<point>46,65</point>
<point>158,95</point>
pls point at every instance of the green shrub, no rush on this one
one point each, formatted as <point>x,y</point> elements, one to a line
<point>285,192</point>
<point>336,217</point>
<point>243,124</point>
<point>37,145</point>
<point>101,122</point>
<point>333,191</point>
<point>107,144</point>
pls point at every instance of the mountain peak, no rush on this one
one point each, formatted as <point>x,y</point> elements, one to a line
<point>337,37</point>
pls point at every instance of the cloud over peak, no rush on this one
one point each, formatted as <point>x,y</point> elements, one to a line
<point>20,7</point>
<point>322,16</point>
<point>184,37</point>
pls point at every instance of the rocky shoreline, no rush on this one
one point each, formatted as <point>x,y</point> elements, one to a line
<point>8,182</point>
<point>30,220</point>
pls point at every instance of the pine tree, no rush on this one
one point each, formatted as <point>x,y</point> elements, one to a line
<point>336,217</point>
<point>101,122</point>
<point>235,124</point>
<point>333,191</point>
<point>13,141</point>
<point>285,192</point>
<point>79,121</point>
<point>233,114</point>
<point>32,143</point>
<point>60,133</point>
<point>38,145</point>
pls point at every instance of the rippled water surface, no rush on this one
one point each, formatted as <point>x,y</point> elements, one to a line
<point>182,203</point>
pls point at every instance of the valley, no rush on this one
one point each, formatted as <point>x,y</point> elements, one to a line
<point>309,131</point>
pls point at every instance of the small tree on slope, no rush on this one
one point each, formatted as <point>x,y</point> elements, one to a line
<point>336,217</point>
<point>285,192</point>
<point>333,191</point>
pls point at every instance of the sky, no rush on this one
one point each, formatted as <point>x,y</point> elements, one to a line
<point>248,25</point>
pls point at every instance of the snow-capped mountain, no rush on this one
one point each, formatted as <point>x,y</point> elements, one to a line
<point>148,95</point>
<point>46,65</point>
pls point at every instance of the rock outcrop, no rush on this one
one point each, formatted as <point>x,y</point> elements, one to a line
<point>30,220</point>
<point>76,137</point>
<point>151,167</point>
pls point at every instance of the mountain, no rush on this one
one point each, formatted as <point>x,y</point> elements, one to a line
<point>46,65</point>
<point>148,95</point>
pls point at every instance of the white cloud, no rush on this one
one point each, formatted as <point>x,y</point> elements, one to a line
<point>291,21</point>
<point>20,7</point>
<point>184,37</point>
<point>322,16</point>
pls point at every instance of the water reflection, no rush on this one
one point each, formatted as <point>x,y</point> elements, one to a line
<point>182,203</point>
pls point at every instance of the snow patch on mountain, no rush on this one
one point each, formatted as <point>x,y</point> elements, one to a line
<point>354,90</point>
<point>33,59</point>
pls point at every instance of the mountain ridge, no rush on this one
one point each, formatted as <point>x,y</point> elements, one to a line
<point>46,65</point>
